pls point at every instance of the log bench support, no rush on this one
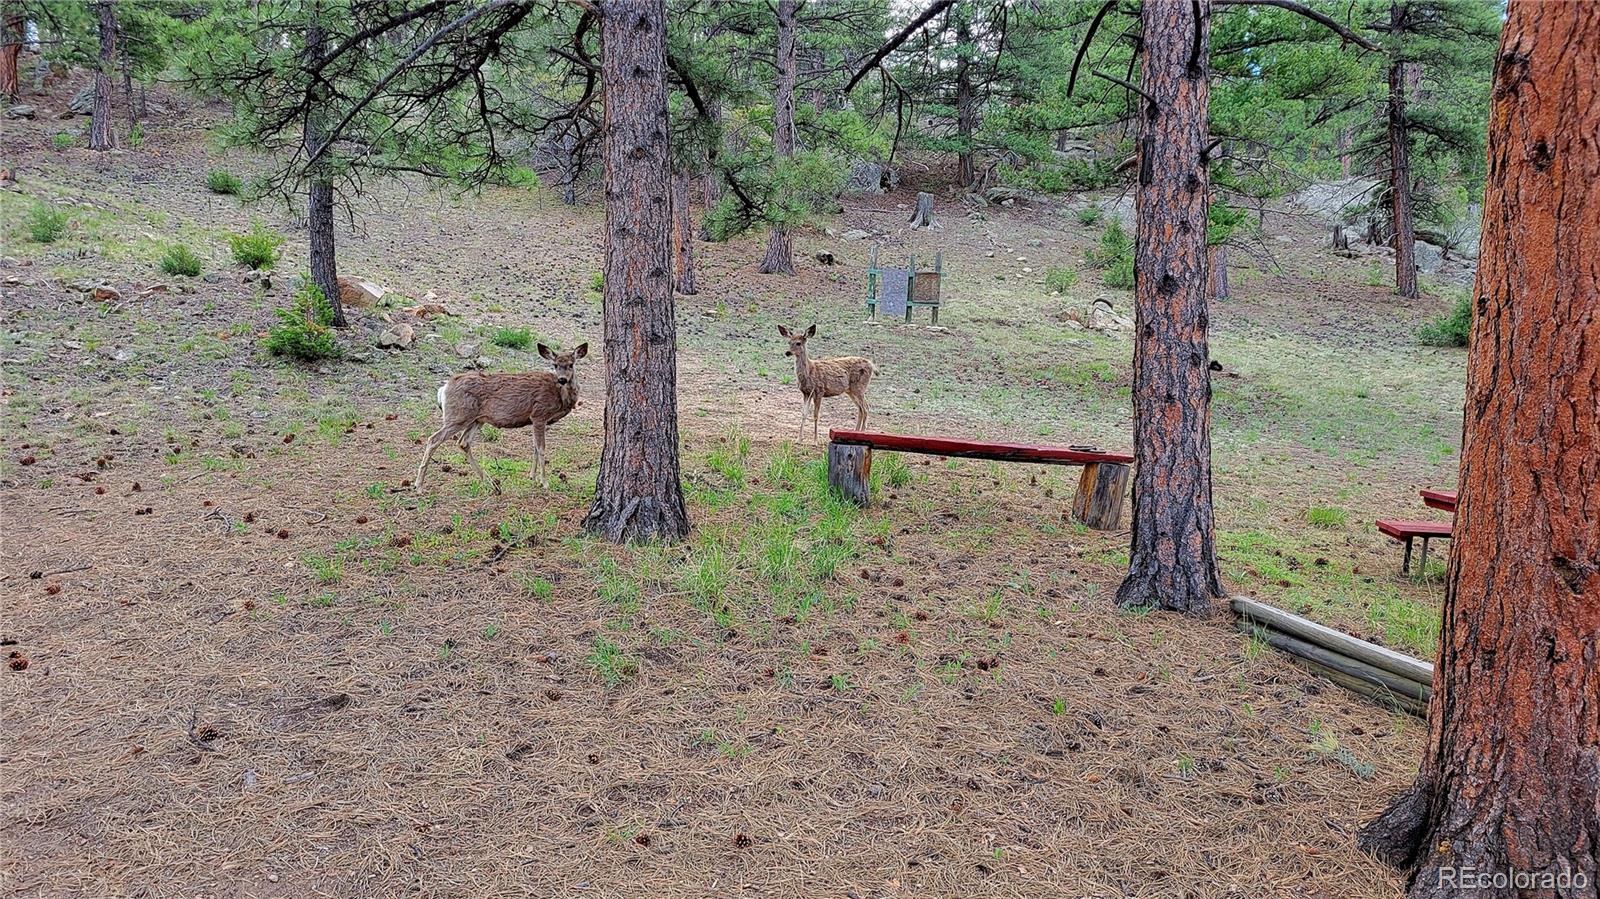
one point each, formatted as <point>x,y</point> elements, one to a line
<point>1101,487</point>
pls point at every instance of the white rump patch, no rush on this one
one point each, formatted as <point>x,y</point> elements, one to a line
<point>443,389</point>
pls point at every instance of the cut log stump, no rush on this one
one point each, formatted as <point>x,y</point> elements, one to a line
<point>1101,488</point>
<point>850,471</point>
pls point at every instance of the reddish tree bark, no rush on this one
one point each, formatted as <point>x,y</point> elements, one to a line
<point>780,247</point>
<point>1172,564</point>
<point>319,195</point>
<point>11,34</point>
<point>1404,226</point>
<point>101,134</point>
<point>638,495</point>
<point>682,236</point>
<point>1510,779</point>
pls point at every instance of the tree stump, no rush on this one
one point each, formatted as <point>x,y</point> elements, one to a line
<point>850,471</point>
<point>922,216</point>
<point>1098,502</point>
<point>1341,241</point>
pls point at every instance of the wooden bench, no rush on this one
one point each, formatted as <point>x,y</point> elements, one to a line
<point>1439,499</point>
<point>1101,487</point>
<point>1407,531</point>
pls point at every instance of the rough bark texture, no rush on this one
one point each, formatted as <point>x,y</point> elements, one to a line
<point>922,215</point>
<point>101,135</point>
<point>11,33</point>
<point>966,100</point>
<point>780,246</point>
<point>1403,224</point>
<point>1218,268</point>
<point>1172,564</point>
<point>638,495</point>
<point>319,196</point>
<point>1511,775</point>
<point>569,168</point>
<point>682,236</point>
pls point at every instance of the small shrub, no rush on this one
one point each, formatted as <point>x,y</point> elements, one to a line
<point>180,260</point>
<point>1089,215</point>
<point>62,141</point>
<point>1324,517</point>
<point>1452,328</point>
<point>1120,274</point>
<point>521,176</point>
<point>45,223</point>
<point>221,182</point>
<point>257,248</point>
<point>136,135</point>
<point>512,338</point>
<point>1115,256</point>
<point>304,330</point>
<point>598,282</point>
<point>1060,279</point>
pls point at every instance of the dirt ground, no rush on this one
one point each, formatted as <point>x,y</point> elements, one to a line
<point>248,661</point>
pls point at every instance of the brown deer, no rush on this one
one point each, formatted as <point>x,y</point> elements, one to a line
<point>822,378</point>
<point>473,399</point>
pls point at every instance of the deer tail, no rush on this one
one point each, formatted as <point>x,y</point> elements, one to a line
<point>444,389</point>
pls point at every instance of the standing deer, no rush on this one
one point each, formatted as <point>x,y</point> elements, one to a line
<point>821,378</point>
<point>473,399</point>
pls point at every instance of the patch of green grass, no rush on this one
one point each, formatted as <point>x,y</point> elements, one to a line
<point>222,182</point>
<point>62,141</point>
<point>257,248</point>
<point>1451,329</point>
<point>512,338</point>
<point>619,586</point>
<point>45,223</point>
<point>890,469</point>
<point>1326,518</point>
<point>180,260</point>
<point>1060,280</point>
<point>1090,215</point>
<point>611,664</point>
<point>535,587</point>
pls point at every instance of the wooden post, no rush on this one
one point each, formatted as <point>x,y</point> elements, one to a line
<point>1098,502</point>
<point>850,471</point>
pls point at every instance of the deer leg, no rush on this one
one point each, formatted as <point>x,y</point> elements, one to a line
<point>539,462</point>
<point>816,414</point>
<point>861,410</point>
<point>477,469</point>
<point>805,405</point>
<point>434,442</point>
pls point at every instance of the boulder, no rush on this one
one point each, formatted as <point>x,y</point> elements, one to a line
<point>83,101</point>
<point>854,234</point>
<point>106,292</point>
<point>358,293</point>
<point>20,111</point>
<point>870,178</point>
<point>398,335</point>
<point>1335,201</point>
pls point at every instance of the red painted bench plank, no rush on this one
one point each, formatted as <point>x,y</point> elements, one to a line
<point>976,449</point>
<point>1439,499</point>
<point>1400,529</point>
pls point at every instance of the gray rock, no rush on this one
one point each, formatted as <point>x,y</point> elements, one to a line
<point>83,101</point>
<point>20,111</point>
<point>870,178</point>
<point>855,234</point>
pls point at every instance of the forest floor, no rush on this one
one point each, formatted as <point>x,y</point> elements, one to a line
<point>257,664</point>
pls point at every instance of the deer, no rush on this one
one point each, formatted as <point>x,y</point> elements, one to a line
<point>470,400</point>
<point>822,378</point>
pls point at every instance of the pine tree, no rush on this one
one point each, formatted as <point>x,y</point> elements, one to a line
<point>1509,781</point>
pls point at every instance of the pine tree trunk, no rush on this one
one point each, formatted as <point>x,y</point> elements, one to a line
<point>1173,563</point>
<point>780,248</point>
<point>101,135</point>
<point>1404,226</point>
<point>966,102</point>
<point>126,64</point>
<point>1217,265</point>
<point>11,35</point>
<point>569,168</point>
<point>1510,778</point>
<point>319,197</point>
<point>682,236</point>
<point>638,495</point>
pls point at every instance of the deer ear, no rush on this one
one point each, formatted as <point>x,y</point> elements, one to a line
<point>782,330</point>
<point>544,351</point>
<point>582,351</point>
<point>812,331</point>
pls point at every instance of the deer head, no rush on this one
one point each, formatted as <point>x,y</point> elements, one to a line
<point>797,339</point>
<point>562,363</point>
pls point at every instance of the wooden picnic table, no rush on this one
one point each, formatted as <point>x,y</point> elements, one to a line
<point>1439,499</point>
